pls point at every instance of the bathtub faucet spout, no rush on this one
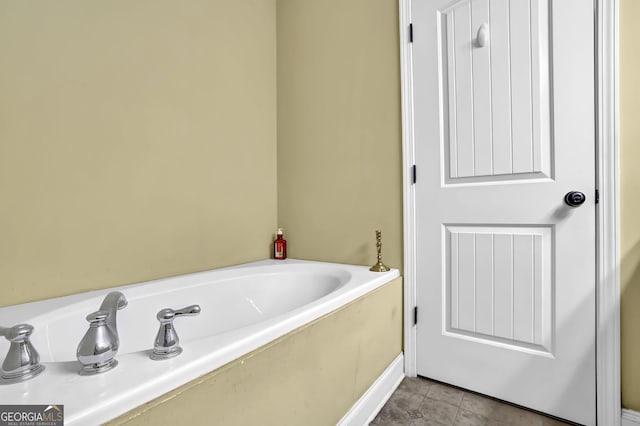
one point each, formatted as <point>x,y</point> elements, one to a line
<point>113,302</point>
<point>97,349</point>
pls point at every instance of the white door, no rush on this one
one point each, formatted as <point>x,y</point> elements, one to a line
<point>504,129</point>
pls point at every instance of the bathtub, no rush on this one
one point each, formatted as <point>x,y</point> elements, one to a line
<point>243,308</point>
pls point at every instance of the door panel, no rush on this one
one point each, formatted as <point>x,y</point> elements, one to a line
<point>505,269</point>
<point>496,98</point>
<point>498,285</point>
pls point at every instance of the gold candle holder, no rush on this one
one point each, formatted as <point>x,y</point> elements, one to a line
<point>379,266</point>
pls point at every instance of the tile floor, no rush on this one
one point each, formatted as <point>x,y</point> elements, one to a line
<point>419,401</point>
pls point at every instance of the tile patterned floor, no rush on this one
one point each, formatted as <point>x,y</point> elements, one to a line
<point>421,402</point>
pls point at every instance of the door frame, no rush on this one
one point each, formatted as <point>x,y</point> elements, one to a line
<point>608,401</point>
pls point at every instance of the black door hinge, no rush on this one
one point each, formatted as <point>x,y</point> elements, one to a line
<point>415,315</point>
<point>414,174</point>
<point>597,196</point>
<point>410,33</point>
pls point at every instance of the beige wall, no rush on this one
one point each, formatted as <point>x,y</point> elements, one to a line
<point>339,129</point>
<point>630,201</point>
<point>309,377</point>
<point>124,135</point>
<point>137,140</point>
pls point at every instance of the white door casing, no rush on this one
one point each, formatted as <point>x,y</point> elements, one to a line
<point>505,271</point>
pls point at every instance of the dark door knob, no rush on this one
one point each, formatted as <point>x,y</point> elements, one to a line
<point>574,198</point>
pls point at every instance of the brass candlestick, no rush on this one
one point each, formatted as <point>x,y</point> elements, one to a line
<point>379,267</point>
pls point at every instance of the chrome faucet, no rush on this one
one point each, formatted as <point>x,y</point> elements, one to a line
<point>167,343</point>
<point>22,361</point>
<point>97,349</point>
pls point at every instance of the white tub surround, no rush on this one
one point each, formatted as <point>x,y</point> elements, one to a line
<point>243,307</point>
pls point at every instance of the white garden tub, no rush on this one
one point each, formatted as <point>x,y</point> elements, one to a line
<point>243,308</point>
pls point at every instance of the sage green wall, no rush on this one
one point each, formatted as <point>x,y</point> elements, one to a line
<point>630,202</point>
<point>137,141</point>
<point>339,129</point>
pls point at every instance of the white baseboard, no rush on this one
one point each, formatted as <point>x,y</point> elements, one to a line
<point>369,404</point>
<point>630,418</point>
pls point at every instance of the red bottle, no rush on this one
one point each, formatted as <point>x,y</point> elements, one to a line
<point>279,246</point>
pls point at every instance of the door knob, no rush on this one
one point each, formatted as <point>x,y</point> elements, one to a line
<point>574,198</point>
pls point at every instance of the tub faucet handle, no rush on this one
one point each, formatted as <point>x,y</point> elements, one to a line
<point>167,343</point>
<point>166,315</point>
<point>22,361</point>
